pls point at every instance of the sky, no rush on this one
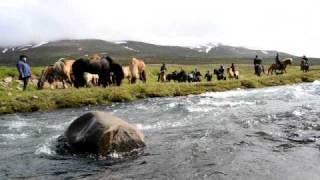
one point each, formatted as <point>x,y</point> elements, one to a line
<point>291,26</point>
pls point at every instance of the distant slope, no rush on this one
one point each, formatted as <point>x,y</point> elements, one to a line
<point>48,52</point>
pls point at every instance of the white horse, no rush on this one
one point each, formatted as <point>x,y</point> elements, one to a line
<point>91,79</point>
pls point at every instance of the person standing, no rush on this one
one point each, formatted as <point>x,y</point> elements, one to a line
<point>278,62</point>
<point>208,76</point>
<point>163,70</point>
<point>24,70</point>
<point>306,60</point>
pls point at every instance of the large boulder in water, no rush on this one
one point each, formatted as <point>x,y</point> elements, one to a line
<point>102,133</point>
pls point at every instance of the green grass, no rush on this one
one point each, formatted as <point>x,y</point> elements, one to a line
<point>14,100</point>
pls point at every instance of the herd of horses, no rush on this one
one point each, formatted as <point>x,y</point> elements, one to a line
<point>96,71</point>
<point>104,71</point>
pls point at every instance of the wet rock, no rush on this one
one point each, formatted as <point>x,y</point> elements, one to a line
<point>102,133</point>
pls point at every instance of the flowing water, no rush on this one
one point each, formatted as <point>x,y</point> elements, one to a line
<point>270,133</point>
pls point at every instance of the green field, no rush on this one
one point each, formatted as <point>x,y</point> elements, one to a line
<point>12,99</point>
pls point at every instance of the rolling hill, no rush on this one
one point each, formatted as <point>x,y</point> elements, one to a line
<point>48,52</point>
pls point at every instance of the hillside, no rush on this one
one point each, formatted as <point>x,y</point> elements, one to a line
<point>48,52</point>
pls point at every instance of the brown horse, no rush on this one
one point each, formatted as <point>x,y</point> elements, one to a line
<point>49,74</point>
<point>138,70</point>
<point>285,62</point>
<point>59,71</point>
<point>232,74</point>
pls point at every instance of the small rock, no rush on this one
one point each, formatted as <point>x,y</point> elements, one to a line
<point>9,94</point>
<point>8,79</point>
<point>34,81</point>
<point>19,88</point>
<point>35,97</point>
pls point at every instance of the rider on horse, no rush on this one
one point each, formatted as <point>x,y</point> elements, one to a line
<point>306,60</point>
<point>257,62</point>
<point>197,75</point>
<point>221,69</point>
<point>233,69</point>
<point>278,62</point>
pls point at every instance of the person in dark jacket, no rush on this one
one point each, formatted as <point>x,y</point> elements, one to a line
<point>258,68</point>
<point>278,62</point>
<point>306,60</point>
<point>208,76</point>
<point>221,70</point>
<point>24,70</point>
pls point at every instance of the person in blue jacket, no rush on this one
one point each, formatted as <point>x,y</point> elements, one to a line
<point>24,70</point>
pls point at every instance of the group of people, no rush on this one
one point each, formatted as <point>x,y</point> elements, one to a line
<point>195,76</point>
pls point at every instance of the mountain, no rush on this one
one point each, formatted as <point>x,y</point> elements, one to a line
<point>46,53</point>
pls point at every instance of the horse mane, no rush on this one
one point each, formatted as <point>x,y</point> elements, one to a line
<point>109,60</point>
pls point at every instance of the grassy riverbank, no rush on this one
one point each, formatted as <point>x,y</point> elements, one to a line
<point>14,100</point>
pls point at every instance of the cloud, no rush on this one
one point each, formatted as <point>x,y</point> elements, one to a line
<point>286,25</point>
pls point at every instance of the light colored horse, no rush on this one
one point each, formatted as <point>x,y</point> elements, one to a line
<point>91,79</point>
<point>232,74</point>
<point>59,71</point>
<point>285,62</point>
<point>127,73</point>
<point>138,70</point>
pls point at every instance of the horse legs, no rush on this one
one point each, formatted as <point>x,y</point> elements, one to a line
<point>143,76</point>
<point>133,80</point>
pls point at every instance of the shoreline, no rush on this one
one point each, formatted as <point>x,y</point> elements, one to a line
<point>48,100</point>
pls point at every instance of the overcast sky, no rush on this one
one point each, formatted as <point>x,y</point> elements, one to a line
<point>287,25</point>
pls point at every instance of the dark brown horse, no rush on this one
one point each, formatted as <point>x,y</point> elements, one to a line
<point>285,62</point>
<point>109,72</point>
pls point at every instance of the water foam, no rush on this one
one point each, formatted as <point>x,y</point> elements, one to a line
<point>12,136</point>
<point>47,147</point>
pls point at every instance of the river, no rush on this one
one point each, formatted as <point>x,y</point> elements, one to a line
<point>270,133</point>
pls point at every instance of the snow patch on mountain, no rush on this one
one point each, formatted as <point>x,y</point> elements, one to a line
<point>4,50</point>
<point>264,52</point>
<point>40,44</point>
<point>131,49</point>
<point>24,49</point>
<point>120,42</point>
<point>206,48</point>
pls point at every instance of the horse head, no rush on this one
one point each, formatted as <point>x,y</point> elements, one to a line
<point>43,78</point>
<point>287,61</point>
